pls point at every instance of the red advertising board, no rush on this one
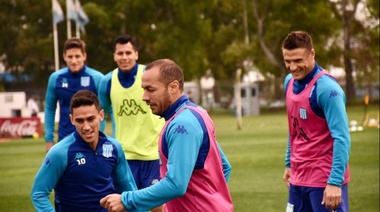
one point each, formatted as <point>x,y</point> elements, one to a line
<point>20,127</point>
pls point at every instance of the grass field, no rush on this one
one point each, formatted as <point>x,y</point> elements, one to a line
<point>256,153</point>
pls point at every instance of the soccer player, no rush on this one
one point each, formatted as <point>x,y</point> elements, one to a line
<point>318,149</point>
<point>133,123</point>
<point>84,166</point>
<point>63,84</point>
<point>194,169</point>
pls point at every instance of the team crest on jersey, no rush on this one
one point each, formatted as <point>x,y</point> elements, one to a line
<point>85,81</point>
<point>65,84</point>
<point>303,113</point>
<point>107,150</point>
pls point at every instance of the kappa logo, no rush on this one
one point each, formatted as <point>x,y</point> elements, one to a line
<point>65,84</point>
<point>333,93</point>
<point>298,131</point>
<point>79,155</point>
<point>47,161</point>
<point>181,129</point>
<point>80,158</point>
<point>130,107</point>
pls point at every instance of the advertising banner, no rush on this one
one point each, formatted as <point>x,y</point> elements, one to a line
<point>20,127</point>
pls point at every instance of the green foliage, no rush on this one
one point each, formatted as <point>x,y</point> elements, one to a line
<point>256,153</point>
<point>196,34</point>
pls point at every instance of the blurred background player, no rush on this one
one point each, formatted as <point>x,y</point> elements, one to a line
<point>63,84</point>
<point>33,106</point>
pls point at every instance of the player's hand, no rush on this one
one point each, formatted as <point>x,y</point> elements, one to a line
<point>49,145</point>
<point>286,177</point>
<point>332,197</point>
<point>112,202</point>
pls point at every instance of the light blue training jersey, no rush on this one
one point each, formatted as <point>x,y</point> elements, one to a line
<point>190,153</point>
<point>333,110</point>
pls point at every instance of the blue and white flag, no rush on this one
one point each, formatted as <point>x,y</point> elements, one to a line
<point>71,10</point>
<point>57,12</point>
<point>82,18</point>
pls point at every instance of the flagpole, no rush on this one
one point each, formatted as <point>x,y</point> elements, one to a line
<point>68,21</point>
<point>77,33</point>
<point>56,56</point>
<point>55,35</point>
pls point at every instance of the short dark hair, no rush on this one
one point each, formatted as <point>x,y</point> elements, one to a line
<point>297,39</point>
<point>84,98</point>
<point>169,71</point>
<point>74,43</point>
<point>123,39</point>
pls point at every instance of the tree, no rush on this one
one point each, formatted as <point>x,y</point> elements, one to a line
<point>26,38</point>
<point>272,25</point>
<point>198,35</point>
<point>359,56</point>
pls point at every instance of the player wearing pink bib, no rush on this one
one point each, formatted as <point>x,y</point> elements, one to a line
<point>318,150</point>
<point>194,169</point>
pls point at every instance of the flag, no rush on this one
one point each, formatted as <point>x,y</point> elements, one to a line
<point>71,10</point>
<point>82,18</point>
<point>57,12</point>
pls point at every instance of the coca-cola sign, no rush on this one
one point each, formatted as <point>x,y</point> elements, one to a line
<point>19,127</point>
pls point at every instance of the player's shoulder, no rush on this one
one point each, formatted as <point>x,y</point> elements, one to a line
<point>93,72</point>
<point>115,143</point>
<point>188,115</point>
<point>326,88</point>
<point>286,80</point>
<point>288,77</point>
<point>59,72</point>
<point>141,67</point>
<point>108,76</point>
<point>112,140</point>
<point>328,82</point>
<point>59,150</point>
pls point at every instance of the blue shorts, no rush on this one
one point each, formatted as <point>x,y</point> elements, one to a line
<point>309,199</point>
<point>146,173</point>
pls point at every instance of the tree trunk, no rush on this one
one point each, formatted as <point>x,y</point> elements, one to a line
<point>348,66</point>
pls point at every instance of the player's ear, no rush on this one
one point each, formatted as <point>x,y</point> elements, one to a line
<point>174,87</point>
<point>101,114</point>
<point>71,119</point>
<point>137,55</point>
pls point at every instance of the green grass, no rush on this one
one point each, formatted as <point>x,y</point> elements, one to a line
<point>256,153</point>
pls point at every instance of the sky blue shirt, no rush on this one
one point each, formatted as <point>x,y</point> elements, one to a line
<point>331,109</point>
<point>192,154</point>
